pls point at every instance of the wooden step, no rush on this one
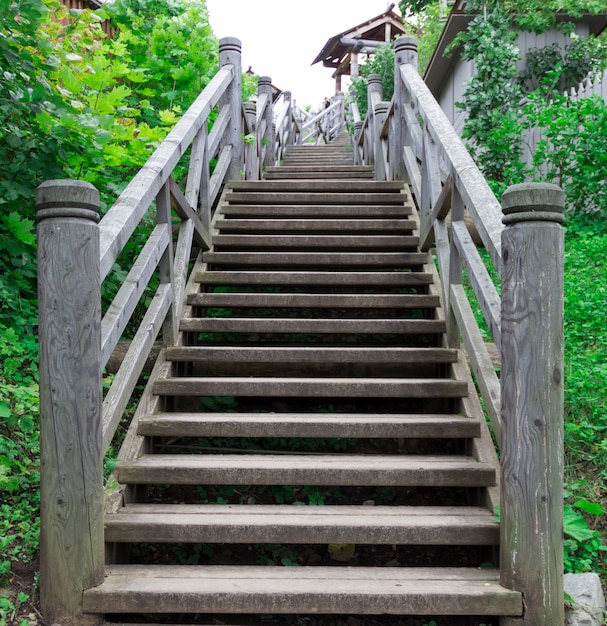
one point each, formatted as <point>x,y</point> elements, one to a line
<point>314,301</point>
<point>317,259</point>
<point>326,470</point>
<point>316,198</point>
<point>291,590</point>
<point>378,525</point>
<point>251,386</point>
<point>315,325</point>
<point>312,225</point>
<point>317,242</point>
<point>311,354</point>
<point>336,186</point>
<point>374,279</point>
<point>338,425</point>
<point>351,211</point>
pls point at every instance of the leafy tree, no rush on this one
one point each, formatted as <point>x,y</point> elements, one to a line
<point>382,63</point>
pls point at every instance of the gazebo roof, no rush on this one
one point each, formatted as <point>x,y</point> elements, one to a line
<point>336,52</point>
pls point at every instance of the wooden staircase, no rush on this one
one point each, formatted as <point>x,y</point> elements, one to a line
<point>311,415</point>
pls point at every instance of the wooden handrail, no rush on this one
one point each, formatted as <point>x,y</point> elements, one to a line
<point>413,140</point>
<point>76,255</point>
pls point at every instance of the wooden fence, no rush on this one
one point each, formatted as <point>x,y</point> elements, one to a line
<point>77,252</point>
<point>411,138</point>
<point>327,124</point>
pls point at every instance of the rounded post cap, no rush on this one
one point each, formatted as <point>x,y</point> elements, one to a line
<point>374,82</point>
<point>230,44</point>
<point>405,42</point>
<point>67,198</point>
<point>264,80</point>
<point>381,107</point>
<point>249,107</point>
<point>533,202</point>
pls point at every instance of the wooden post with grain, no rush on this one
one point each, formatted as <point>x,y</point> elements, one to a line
<point>230,54</point>
<point>71,456</point>
<point>531,558</point>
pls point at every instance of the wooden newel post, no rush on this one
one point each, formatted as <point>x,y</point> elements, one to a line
<point>532,401</point>
<point>251,152</point>
<point>379,118</point>
<point>405,51</point>
<point>71,455</point>
<point>264,86</point>
<point>374,89</point>
<point>230,54</point>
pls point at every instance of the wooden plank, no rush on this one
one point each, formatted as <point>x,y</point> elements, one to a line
<point>486,293</point>
<point>183,250</point>
<point>413,170</point>
<point>475,191</point>
<point>480,360</point>
<point>371,426</point>
<point>119,312</point>
<point>353,470</point>
<point>312,387</point>
<point>218,130</point>
<point>360,242</point>
<point>317,198</point>
<point>312,225</point>
<point>304,325</point>
<point>303,524</point>
<point>330,590</point>
<point>400,279</point>
<point>122,387</point>
<point>319,301</point>
<point>294,259</point>
<point>440,210</point>
<point>219,174</point>
<point>312,354</point>
<point>165,267</point>
<point>182,207</point>
<point>120,221</point>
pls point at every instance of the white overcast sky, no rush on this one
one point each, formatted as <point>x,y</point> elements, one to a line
<point>281,38</point>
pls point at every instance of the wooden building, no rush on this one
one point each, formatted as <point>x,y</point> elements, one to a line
<point>447,75</point>
<point>341,52</point>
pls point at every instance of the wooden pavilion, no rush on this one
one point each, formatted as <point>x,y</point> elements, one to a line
<point>341,52</point>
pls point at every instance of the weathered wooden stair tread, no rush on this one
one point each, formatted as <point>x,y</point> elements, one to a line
<point>276,590</point>
<point>304,325</point>
<point>315,301</point>
<point>350,211</point>
<point>344,425</point>
<point>310,354</point>
<point>360,242</point>
<point>379,525</point>
<point>348,259</point>
<point>311,225</point>
<point>269,469</point>
<point>243,277</point>
<point>287,197</point>
<point>251,386</point>
<point>361,186</point>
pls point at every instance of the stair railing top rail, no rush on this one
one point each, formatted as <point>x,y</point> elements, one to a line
<point>327,124</point>
<point>77,252</point>
<point>411,139</point>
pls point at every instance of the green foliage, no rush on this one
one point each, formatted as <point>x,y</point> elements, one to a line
<point>584,547</point>
<point>73,103</point>
<point>382,63</point>
<point>492,98</point>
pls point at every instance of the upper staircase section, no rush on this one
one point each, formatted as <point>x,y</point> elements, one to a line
<point>312,404</point>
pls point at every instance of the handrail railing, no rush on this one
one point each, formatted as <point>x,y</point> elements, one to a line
<point>411,139</point>
<point>76,253</point>
<point>327,124</point>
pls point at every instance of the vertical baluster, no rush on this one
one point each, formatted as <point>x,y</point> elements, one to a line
<point>165,268</point>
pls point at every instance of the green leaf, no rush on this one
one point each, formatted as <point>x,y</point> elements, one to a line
<point>594,508</point>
